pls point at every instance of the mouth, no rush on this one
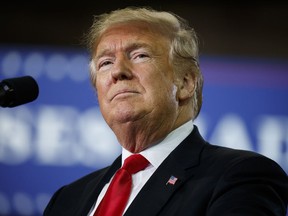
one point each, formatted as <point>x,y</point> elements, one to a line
<point>124,94</point>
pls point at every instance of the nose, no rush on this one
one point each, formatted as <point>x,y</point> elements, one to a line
<point>122,69</point>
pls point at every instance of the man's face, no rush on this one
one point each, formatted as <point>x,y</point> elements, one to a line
<point>135,80</point>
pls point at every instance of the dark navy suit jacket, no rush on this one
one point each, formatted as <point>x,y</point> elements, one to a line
<point>211,181</point>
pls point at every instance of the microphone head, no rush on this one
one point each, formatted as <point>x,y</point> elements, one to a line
<point>18,91</point>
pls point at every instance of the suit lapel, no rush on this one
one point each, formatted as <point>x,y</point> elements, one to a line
<point>94,187</point>
<point>156,192</point>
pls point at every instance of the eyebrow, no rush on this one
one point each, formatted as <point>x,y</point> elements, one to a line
<point>128,48</point>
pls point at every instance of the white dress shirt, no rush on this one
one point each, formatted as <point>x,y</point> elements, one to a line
<point>155,155</point>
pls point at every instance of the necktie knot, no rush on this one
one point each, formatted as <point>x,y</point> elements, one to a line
<point>135,163</point>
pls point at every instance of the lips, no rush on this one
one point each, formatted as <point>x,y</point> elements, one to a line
<point>123,93</point>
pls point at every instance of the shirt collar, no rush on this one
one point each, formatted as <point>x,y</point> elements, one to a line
<point>156,154</point>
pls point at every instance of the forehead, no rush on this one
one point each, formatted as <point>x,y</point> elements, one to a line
<point>132,34</point>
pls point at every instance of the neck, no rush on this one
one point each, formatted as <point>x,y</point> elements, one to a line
<point>135,137</point>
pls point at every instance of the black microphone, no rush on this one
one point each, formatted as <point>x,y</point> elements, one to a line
<point>18,91</point>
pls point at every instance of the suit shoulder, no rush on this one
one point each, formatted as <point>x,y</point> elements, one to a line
<point>231,153</point>
<point>243,159</point>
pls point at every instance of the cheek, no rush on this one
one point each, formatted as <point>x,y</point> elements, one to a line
<point>162,90</point>
<point>101,91</point>
<point>101,83</point>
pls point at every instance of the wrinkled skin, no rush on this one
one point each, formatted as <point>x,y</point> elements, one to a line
<point>139,95</point>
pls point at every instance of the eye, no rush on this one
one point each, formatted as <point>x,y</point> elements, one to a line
<point>140,57</point>
<point>104,65</point>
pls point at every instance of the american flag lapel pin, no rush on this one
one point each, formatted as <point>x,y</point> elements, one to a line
<point>172,180</point>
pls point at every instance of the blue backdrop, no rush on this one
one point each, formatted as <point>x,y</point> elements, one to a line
<point>61,136</point>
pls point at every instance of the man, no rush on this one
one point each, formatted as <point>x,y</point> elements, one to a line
<point>144,66</point>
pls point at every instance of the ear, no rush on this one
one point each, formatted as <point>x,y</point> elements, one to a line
<point>186,86</point>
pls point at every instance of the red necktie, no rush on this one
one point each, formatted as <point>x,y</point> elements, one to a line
<point>116,197</point>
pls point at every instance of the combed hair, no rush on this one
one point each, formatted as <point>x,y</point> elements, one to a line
<point>184,56</point>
